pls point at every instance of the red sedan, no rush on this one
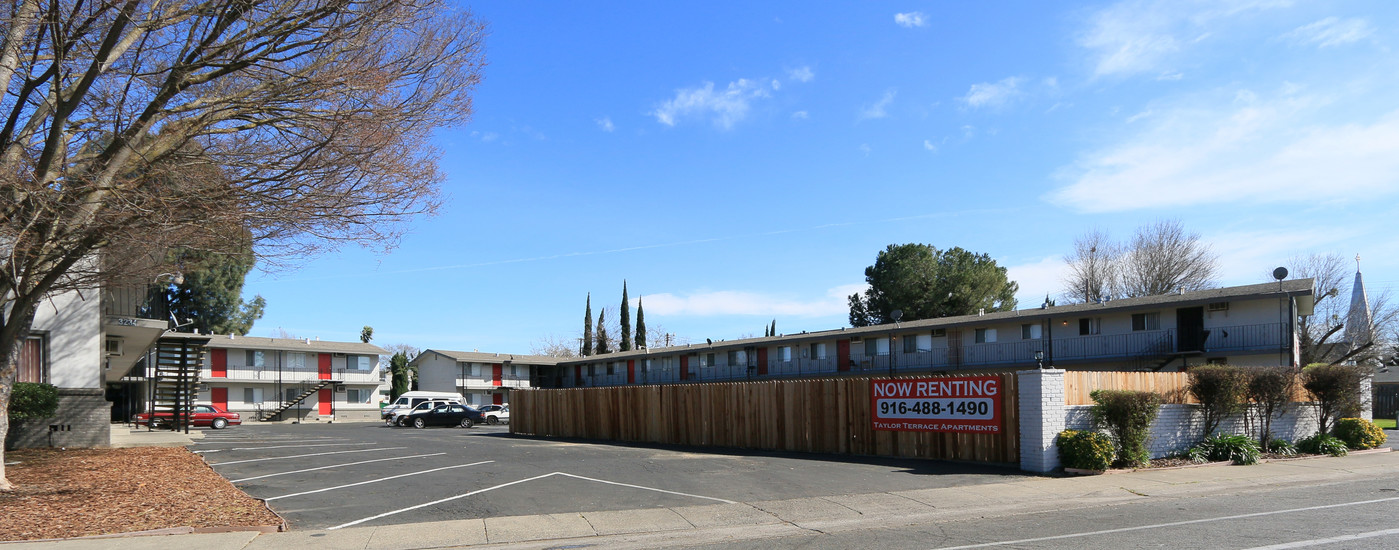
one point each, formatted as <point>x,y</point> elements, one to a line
<point>204,415</point>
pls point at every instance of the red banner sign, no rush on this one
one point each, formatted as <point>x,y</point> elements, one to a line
<point>966,404</point>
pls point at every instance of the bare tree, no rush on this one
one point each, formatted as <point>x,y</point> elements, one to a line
<point>133,127</point>
<point>1093,268</point>
<point>1322,333</point>
<point>555,346</point>
<point>1163,258</point>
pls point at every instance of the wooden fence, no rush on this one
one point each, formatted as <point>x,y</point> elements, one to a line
<point>1173,386</point>
<point>832,415</point>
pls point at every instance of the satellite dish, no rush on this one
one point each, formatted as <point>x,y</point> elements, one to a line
<point>1280,273</point>
<point>897,314</point>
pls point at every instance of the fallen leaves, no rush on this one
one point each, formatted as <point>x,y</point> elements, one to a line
<point>83,492</point>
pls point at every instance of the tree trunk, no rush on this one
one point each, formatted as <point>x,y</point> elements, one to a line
<point>9,361</point>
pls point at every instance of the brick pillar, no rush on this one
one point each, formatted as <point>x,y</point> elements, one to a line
<point>1041,418</point>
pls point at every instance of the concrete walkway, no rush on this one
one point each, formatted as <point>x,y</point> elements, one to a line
<point>661,527</point>
<point>124,435</point>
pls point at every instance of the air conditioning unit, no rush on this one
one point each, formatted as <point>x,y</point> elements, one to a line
<point>1218,306</point>
<point>337,355</point>
<point>114,347</point>
<point>339,388</point>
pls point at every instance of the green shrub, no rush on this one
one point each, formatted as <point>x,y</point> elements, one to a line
<point>1240,449</point>
<point>1358,433</point>
<point>1282,447</point>
<point>1270,390</point>
<point>1085,450</point>
<point>1336,391</point>
<point>1322,444</point>
<point>1221,390</point>
<point>33,400</point>
<point>1127,415</point>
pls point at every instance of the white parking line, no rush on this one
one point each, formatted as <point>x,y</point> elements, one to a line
<point>1171,524</point>
<point>332,466</point>
<point>1319,542</point>
<point>302,456</point>
<point>378,480</point>
<point>295,446</point>
<point>479,491</point>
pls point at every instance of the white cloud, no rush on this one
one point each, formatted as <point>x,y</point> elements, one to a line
<point>801,115</point>
<point>1332,31</point>
<point>801,74</point>
<point>1145,36</point>
<point>866,149</point>
<point>1037,280</point>
<point>723,107</point>
<point>606,124</point>
<point>930,146</point>
<point>993,94</point>
<point>910,20</point>
<point>877,109</point>
<point>776,85</point>
<point>736,302</point>
<point>1243,149</point>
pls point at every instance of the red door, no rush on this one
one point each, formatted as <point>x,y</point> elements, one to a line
<point>843,355</point>
<point>323,367</point>
<point>218,366</point>
<point>578,375</point>
<point>496,372</point>
<point>499,399</point>
<point>762,361</point>
<point>684,367</point>
<point>220,397</point>
<point>631,371</point>
<point>324,397</point>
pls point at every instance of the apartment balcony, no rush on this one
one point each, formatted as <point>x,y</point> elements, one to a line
<point>270,375</point>
<point>1264,337</point>
<point>487,384</point>
<point>133,303</point>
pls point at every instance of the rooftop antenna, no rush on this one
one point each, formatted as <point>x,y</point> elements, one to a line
<point>1281,273</point>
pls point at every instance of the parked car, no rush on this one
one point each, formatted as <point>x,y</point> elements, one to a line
<point>202,415</point>
<point>409,400</point>
<point>400,417</point>
<point>496,414</point>
<point>451,414</point>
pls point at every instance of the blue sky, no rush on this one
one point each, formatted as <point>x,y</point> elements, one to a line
<point>740,163</point>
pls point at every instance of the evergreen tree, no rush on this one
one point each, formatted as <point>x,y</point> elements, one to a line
<point>398,369</point>
<point>626,320</point>
<point>927,283</point>
<point>211,293</point>
<point>588,328</point>
<point>773,331</point>
<point>602,334</point>
<point>640,326</point>
<point>766,331</point>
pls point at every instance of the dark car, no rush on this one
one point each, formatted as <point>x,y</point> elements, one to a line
<point>202,415</point>
<point>400,418</point>
<point>446,415</point>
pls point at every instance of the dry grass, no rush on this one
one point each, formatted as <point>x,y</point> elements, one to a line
<point>83,492</point>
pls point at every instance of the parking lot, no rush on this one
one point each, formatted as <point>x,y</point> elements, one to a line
<point>320,476</point>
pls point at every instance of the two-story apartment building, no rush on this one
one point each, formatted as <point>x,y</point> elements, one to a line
<point>483,378</point>
<point>1244,325</point>
<point>257,376</point>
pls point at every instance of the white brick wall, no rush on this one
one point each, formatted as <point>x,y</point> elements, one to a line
<point>1178,427</point>
<point>1041,418</point>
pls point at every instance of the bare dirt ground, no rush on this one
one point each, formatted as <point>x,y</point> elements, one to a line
<point>84,492</point>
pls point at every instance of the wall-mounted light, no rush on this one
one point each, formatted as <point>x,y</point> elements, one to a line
<point>1039,358</point>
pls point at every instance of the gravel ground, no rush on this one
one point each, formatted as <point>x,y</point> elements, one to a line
<point>83,492</point>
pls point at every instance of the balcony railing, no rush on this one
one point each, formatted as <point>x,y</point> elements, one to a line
<point>1267,336</point>
<point>243,374</point>
<point>136,302</point>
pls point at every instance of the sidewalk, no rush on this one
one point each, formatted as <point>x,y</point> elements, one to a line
<point>659,527</point>
<point>127,436</point>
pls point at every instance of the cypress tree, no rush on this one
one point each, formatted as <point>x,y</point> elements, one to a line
<point>588,329</point>
<point>602,334</point>
<point>773,331</point>
<point>640,326</point>
<point>626,320</point>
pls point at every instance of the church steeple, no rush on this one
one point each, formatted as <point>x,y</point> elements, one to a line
<point>1358,320</point>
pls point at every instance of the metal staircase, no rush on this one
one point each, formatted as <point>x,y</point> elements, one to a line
<point>175,382</point>
<point>307,390</point>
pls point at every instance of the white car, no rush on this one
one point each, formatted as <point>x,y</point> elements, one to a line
<point>496,414</point>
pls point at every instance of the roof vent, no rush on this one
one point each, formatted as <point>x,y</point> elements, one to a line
<point>981,312</point>
<point>308,341</point>
<point>232,336</point>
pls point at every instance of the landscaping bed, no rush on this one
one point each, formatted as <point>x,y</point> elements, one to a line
<point>86,492</point>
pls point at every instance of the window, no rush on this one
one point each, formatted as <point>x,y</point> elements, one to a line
<point>356,396</point>
<point>818,351</point>
<point>476,369</point>
<point>296,360</point>
<point>592,370</point>
<point>253,358</point>
<point>871,347</point>
<point>514,371</point>
<point>925,342</point>
<point>291,394</point>
<point>733,357</point>
<point>252,395</point>
<point>1031,331</point>
<point>709,360</point>
<point>1088,326</point>
<point>985,335</point>
<point>357,362</point>
<point>785,353</point>
<point>610,368</point>
<point>910,344</point>
<point>1146,321</point>
<point>33,363</point>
